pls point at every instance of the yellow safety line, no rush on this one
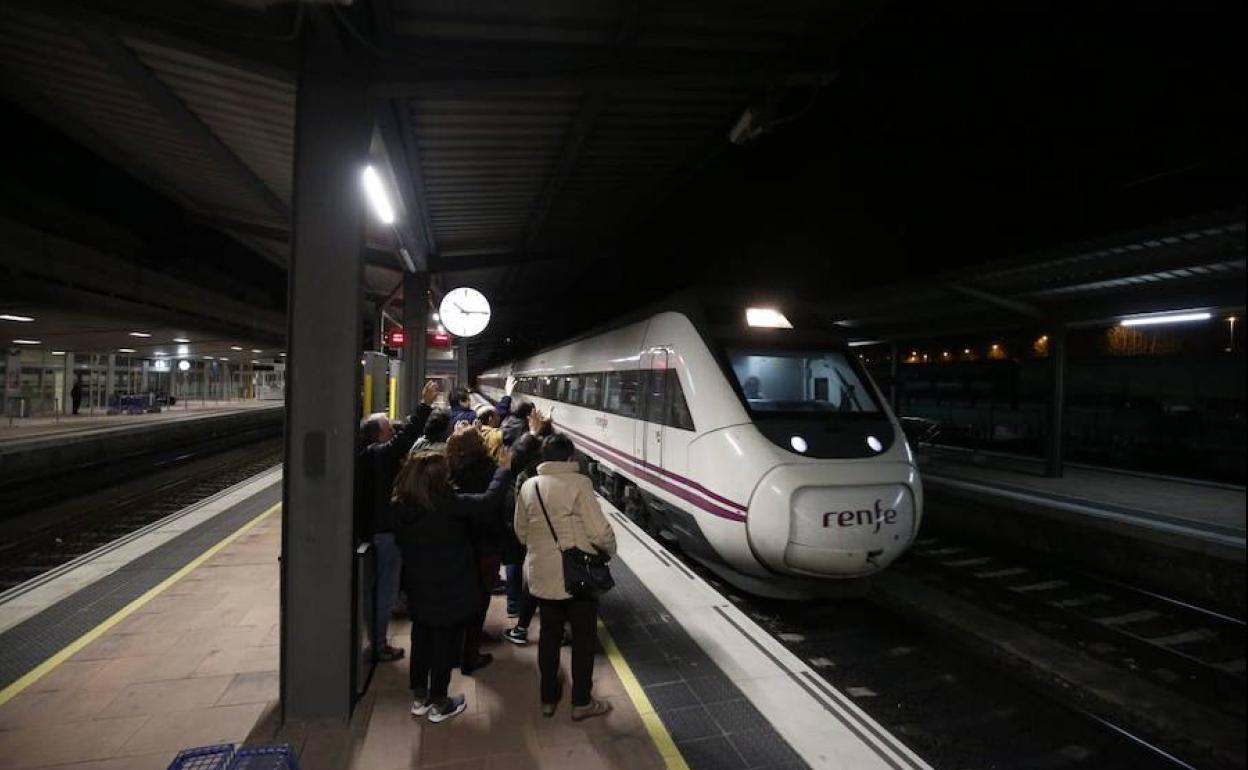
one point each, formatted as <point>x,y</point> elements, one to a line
<point>38,672</point>
<point>649,717</point>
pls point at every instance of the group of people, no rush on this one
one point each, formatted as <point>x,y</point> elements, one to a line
<point>447,499</point>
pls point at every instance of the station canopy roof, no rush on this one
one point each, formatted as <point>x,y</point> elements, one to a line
<point>525,138</point>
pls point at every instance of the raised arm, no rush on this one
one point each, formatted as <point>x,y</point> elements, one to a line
<point>407,435</point>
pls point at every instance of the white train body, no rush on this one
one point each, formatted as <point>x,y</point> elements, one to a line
<point>719,469</point>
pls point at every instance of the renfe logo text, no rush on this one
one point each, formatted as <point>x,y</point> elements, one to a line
<point>869,517</point>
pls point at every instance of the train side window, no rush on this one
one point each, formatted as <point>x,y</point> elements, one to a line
<point>680,417</point>
<point>561,390</point>
<point>545,387</point>
<point>656,396</point>
<point>630,393</point>
<point>611,393</point>
<point>591,392</point>
<point>622,392</point>
<point>573,393</point>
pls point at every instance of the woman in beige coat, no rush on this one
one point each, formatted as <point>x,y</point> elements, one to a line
<point>569,501</point>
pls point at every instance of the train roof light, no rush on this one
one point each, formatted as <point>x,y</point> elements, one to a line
<point>766,318</point>
<point>1172,317</point>
<point>377,196</point>
<point>799,444</point>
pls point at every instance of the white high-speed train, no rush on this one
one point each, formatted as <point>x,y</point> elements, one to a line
<point>750,435</point>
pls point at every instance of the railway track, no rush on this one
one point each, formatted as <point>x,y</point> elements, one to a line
<point>1194,651</point>
<point>61,533</point>
<point>960,708</point>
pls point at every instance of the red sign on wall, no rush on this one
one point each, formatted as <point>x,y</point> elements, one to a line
<point>396,338</point>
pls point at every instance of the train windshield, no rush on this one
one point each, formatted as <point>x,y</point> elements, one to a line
<point>801,381</point>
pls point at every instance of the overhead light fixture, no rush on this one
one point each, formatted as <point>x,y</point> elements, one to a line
<point>863,343</point>
<point>58,352</point>
<point>184,365</point>
<point>766,318</point>
<point>181,340</point>
<point>408,262</point>
<point>208,358</point>
<point>160,353</point>
<point>235,347</point>
<point>27,342</point>
<point>253,350</point>
<point>1172,317</point>
<point>125,350</point>
<point>283,355</point>
<point>140,334</point>
<point>376,192</point>
<point>224,358</point>
<point>21,319</point>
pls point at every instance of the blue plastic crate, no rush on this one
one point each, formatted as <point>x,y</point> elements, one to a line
<point>204,758</point>
<point>280,757</point>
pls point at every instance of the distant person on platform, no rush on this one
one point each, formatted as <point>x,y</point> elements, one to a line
<point>381,452</point>
<point>75,394</point>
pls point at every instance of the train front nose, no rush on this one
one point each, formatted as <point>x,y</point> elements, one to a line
<point>842,521</point>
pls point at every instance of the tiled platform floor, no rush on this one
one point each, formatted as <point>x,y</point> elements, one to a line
<point>1213,506</point>
<point>195,665</point>
<point>503,727</point>
<point>198,664</point>
<point>34,427</point>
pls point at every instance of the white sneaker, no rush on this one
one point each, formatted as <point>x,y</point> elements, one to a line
<point>420,707</point>
<point>453,706</point>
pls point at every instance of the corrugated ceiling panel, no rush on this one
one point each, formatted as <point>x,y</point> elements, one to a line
<point>252,115</point>
<point>486,162</point>
<point>52,62</point>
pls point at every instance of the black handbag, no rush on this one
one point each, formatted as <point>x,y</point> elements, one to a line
<point>585,575</point>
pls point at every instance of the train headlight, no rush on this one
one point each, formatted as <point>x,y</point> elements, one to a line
<point>799,444</point>
<point>875,444</point>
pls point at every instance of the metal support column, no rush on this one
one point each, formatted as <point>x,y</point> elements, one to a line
<point>416,345</point>
<point>67,395</point>
<point>461,363</point>
<point>1053,459</point>
<point>110,383</point>
<point>332,131</point>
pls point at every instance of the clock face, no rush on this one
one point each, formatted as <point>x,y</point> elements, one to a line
<point>465,312</point>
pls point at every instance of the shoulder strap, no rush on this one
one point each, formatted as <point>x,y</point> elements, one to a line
<point>546,514</point>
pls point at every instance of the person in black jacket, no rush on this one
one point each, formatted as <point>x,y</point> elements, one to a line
<point>435,534</point>
<point>381,451</point>
<point>472,470</point>
<point>526,456</point>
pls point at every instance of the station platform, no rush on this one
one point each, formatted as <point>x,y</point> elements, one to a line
<point>170,640</point>
<point>1199,515</point>
<point>26,428</point>
<point>32,451</point>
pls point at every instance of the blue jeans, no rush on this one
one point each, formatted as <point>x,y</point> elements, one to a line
<point>515,586</point>
<point>389,564</point>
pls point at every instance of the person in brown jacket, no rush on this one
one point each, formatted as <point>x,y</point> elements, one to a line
<point>563,494</point>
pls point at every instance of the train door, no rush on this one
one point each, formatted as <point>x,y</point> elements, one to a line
<point>653,407</point>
